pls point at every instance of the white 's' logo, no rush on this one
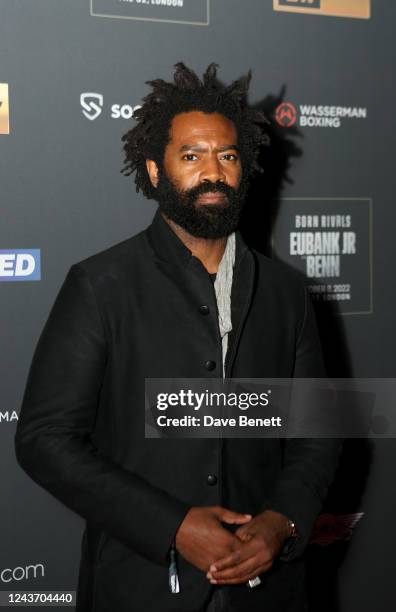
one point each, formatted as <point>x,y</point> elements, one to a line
<point>92,104</point>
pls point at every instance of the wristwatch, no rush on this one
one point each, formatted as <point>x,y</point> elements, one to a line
<point>291,540</point>
<point>293,529</point>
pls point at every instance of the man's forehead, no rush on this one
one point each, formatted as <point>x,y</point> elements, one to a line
<point>194,125</point>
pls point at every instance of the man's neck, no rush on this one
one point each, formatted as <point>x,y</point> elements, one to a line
<point>208,250</point>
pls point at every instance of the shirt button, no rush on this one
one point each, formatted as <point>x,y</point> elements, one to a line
<point>211,479</point>
<point>210,365</point>
<point>204,309</point>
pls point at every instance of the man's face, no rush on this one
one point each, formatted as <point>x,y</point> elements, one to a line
<point>200,186</point>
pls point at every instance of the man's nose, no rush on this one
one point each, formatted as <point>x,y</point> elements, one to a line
<point>212,170</point>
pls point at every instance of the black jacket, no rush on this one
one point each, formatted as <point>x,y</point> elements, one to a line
<point>131,312</point>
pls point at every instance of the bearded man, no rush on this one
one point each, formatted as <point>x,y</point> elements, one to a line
<point>182,524</point>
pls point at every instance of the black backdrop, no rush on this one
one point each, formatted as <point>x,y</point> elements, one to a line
<point>70,74</point>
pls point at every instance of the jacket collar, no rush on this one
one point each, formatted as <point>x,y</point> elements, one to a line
<point>168,246</point>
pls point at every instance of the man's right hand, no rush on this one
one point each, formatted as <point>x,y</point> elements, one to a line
<point>201,539</point>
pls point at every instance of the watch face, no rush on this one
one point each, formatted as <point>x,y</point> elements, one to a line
<point>293,530</point>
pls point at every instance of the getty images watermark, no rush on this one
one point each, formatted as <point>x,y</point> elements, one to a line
<point>270,408</point>
<point>187,398</point>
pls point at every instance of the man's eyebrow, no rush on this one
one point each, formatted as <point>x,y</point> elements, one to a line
<point>200,149</point>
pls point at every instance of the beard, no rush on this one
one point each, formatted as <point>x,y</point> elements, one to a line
<point>202,220</point>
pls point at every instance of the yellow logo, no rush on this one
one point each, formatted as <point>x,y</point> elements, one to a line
<point>4,113</point>
<point>360,9</point>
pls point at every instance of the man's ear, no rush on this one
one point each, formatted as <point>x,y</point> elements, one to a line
<point>152,170</point>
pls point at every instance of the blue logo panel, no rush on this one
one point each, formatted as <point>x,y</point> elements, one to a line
<point>20,265</point>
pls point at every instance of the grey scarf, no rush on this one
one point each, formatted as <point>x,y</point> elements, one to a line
<point>222,285</point>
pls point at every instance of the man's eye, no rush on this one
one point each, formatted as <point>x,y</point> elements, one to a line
<point>190,157</point>
<point>230,156</point>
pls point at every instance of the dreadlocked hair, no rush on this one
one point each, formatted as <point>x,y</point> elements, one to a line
<point>148,139</point>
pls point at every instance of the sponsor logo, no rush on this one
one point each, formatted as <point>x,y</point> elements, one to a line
<point>330,527</point>
<point>360,9</point>
<point>286,114</point>
<point>91,104</point>
<point>28,572</point>
<point>314,116</point>
<point>92,107</point>
<point>20,265</point>
<point>8,416</point>
<point>4,109</point>
<point>189,12</point>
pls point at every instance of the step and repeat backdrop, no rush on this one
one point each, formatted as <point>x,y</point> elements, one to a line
<point>71,74</point>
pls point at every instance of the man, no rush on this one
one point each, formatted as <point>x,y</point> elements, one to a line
<point>225,511</point>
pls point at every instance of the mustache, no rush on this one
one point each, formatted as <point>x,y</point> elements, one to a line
<point>210,187</point>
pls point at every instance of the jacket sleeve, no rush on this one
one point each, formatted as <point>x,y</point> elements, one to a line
<point>309,464</point>
<point>53,438</point>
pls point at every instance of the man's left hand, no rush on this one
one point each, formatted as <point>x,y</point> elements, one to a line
<point>262,539</point>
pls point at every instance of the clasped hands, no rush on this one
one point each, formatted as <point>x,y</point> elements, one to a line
<point>231,558</point>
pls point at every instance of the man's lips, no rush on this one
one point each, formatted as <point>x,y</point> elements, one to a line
<point>212,197</point>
